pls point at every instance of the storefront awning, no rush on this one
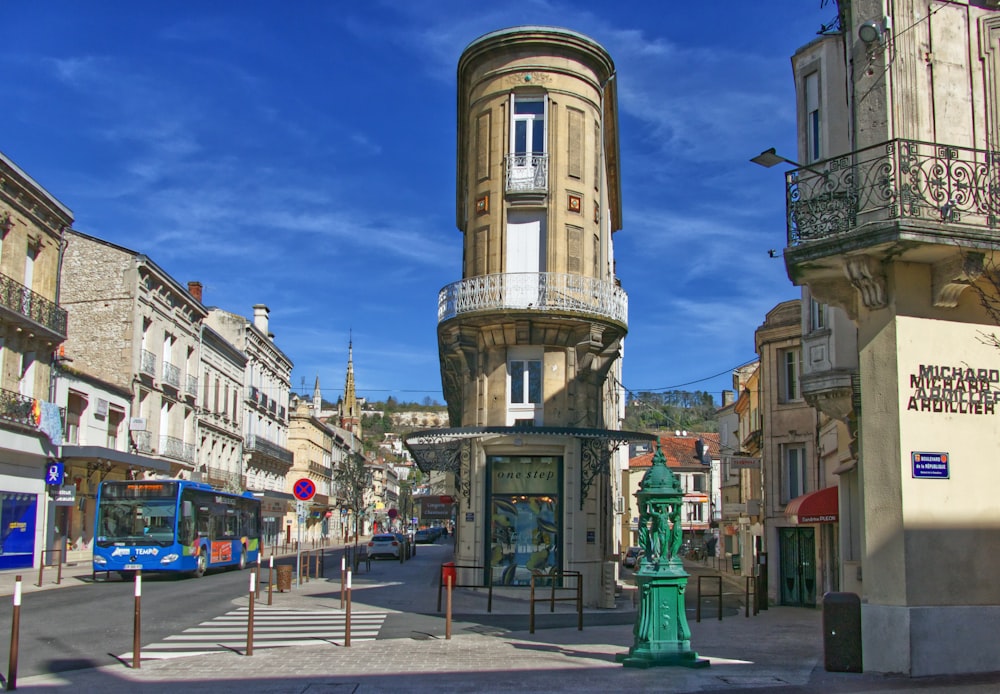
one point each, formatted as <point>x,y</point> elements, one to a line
<point>814,507</point>
<point>115,457</point>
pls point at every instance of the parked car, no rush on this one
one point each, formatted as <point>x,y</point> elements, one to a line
<point>424,536</point>
<point>630,560</point>
<point>384,545</point>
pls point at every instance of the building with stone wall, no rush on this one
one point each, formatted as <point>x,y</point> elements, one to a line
<point>265,398</point>
<point>530,337</point>
<point>136,327</point>
<point>892,218</point>
<point>32,328</point>
<point>221,396</point>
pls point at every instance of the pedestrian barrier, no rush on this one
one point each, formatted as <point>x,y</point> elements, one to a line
<point>359,556</point>
<point>697,612</point>
<point>551,577</point>
<point>450,568</point>
<point>43,563</point>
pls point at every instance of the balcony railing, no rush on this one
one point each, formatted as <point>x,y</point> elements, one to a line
<point>534,291</point>
<point>33,306</point>
<point>527,173</point>
<point>192,386</point>
<point>20,409</point>
<point>171,375</point>
<point>143,441</point>
<point>894,180</point>
<point>147,363</point>
<point>255,443</point>
<point>175,448</point>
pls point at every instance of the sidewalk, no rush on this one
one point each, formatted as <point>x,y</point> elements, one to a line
<point>780,649</point>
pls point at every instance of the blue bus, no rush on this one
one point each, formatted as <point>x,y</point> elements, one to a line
<point>173,525</point>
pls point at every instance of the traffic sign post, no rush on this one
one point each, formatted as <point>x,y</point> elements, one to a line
<point>304,489</point>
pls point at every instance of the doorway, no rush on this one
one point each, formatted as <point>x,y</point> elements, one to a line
<point>798,566</point>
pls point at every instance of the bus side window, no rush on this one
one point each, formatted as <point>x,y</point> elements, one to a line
<point>204,522</point>
<point>185,528</point>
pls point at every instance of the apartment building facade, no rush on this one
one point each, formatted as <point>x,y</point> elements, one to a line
<point>32,327</point>
<point>892,219</point>
<point>265,389</point>
<point>137,328</point>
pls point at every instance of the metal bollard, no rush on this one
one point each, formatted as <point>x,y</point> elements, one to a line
<point>253,591</point>
<point>137,621</point>
<point>15,628</point>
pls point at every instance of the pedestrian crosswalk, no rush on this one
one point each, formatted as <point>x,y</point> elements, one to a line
<point>272,628</point>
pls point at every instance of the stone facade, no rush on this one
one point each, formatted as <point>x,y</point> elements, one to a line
<point>32,327</point>
<point>135,327</point>
<point>892,219</point>
<point>530,337</point>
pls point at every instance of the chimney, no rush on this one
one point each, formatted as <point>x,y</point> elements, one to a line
<point>260,312</point>
<point>194,289</point>
<point>728,398</point>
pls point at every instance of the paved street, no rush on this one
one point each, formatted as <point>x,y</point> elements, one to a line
<point>781,649</point>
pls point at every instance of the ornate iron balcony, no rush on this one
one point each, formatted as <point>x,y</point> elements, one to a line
<point>31,305</point>
<point>143,441</point>
<point>894,180</point>
<point>19,409</point>
<point>147,363</point>
<point>173,447</point>
<point>192,386</point>
<point>255,443</point>
<point>171,375</point>
<point>534,291</point>
<point>527,173</point>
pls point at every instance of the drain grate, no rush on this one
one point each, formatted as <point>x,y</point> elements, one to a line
<point>754,680</point>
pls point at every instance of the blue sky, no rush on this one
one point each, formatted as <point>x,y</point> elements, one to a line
<point>302,155</point>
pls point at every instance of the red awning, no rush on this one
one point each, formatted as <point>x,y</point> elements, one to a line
<point>814,507</point>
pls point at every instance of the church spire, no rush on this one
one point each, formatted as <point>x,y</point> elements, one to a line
<point>317,399</point>
<point>350,418</point>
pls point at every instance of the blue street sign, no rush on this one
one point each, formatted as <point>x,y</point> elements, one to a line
<point>304,489</point>
<point>54,474</point>
<point>930,465</point>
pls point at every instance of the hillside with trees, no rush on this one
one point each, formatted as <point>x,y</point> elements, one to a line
<point>673,409</point>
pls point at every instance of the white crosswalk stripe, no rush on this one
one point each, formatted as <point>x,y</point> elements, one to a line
<point>272,628</point>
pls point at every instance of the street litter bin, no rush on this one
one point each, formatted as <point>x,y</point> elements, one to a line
<point>448,571</point>
<point>284,577</point>
<point>842,632</point>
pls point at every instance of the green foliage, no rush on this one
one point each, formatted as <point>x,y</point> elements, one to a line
<point>674,409</point>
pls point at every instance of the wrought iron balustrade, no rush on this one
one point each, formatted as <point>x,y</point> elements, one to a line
<point>894,180</point>
<point>147,363</point>
<point>527,173</point>
<point>535,291</point>
<point>256,443</point>
<point>17,408</point>
<point>173,447</point>
<point>171,375</point>
<point>143,441</point>
<point>19,299</point>
<point>192,386</point>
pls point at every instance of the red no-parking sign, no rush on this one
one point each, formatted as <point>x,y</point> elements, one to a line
<point>304,489</point>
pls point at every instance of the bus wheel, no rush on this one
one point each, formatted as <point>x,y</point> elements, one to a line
<point>202,564</point>
<point>243,558</point>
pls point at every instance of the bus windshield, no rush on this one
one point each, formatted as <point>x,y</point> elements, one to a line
<point>147,517</point>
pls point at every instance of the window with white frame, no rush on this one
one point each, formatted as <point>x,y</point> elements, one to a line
<point>116,416</point>
<point>793,482</point>
<point>789,362</point>
<point>524,387</point>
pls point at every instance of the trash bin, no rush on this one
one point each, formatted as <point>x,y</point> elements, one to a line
<point>842,632</point>
<point>284,577</point>
<point>448,571</point>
